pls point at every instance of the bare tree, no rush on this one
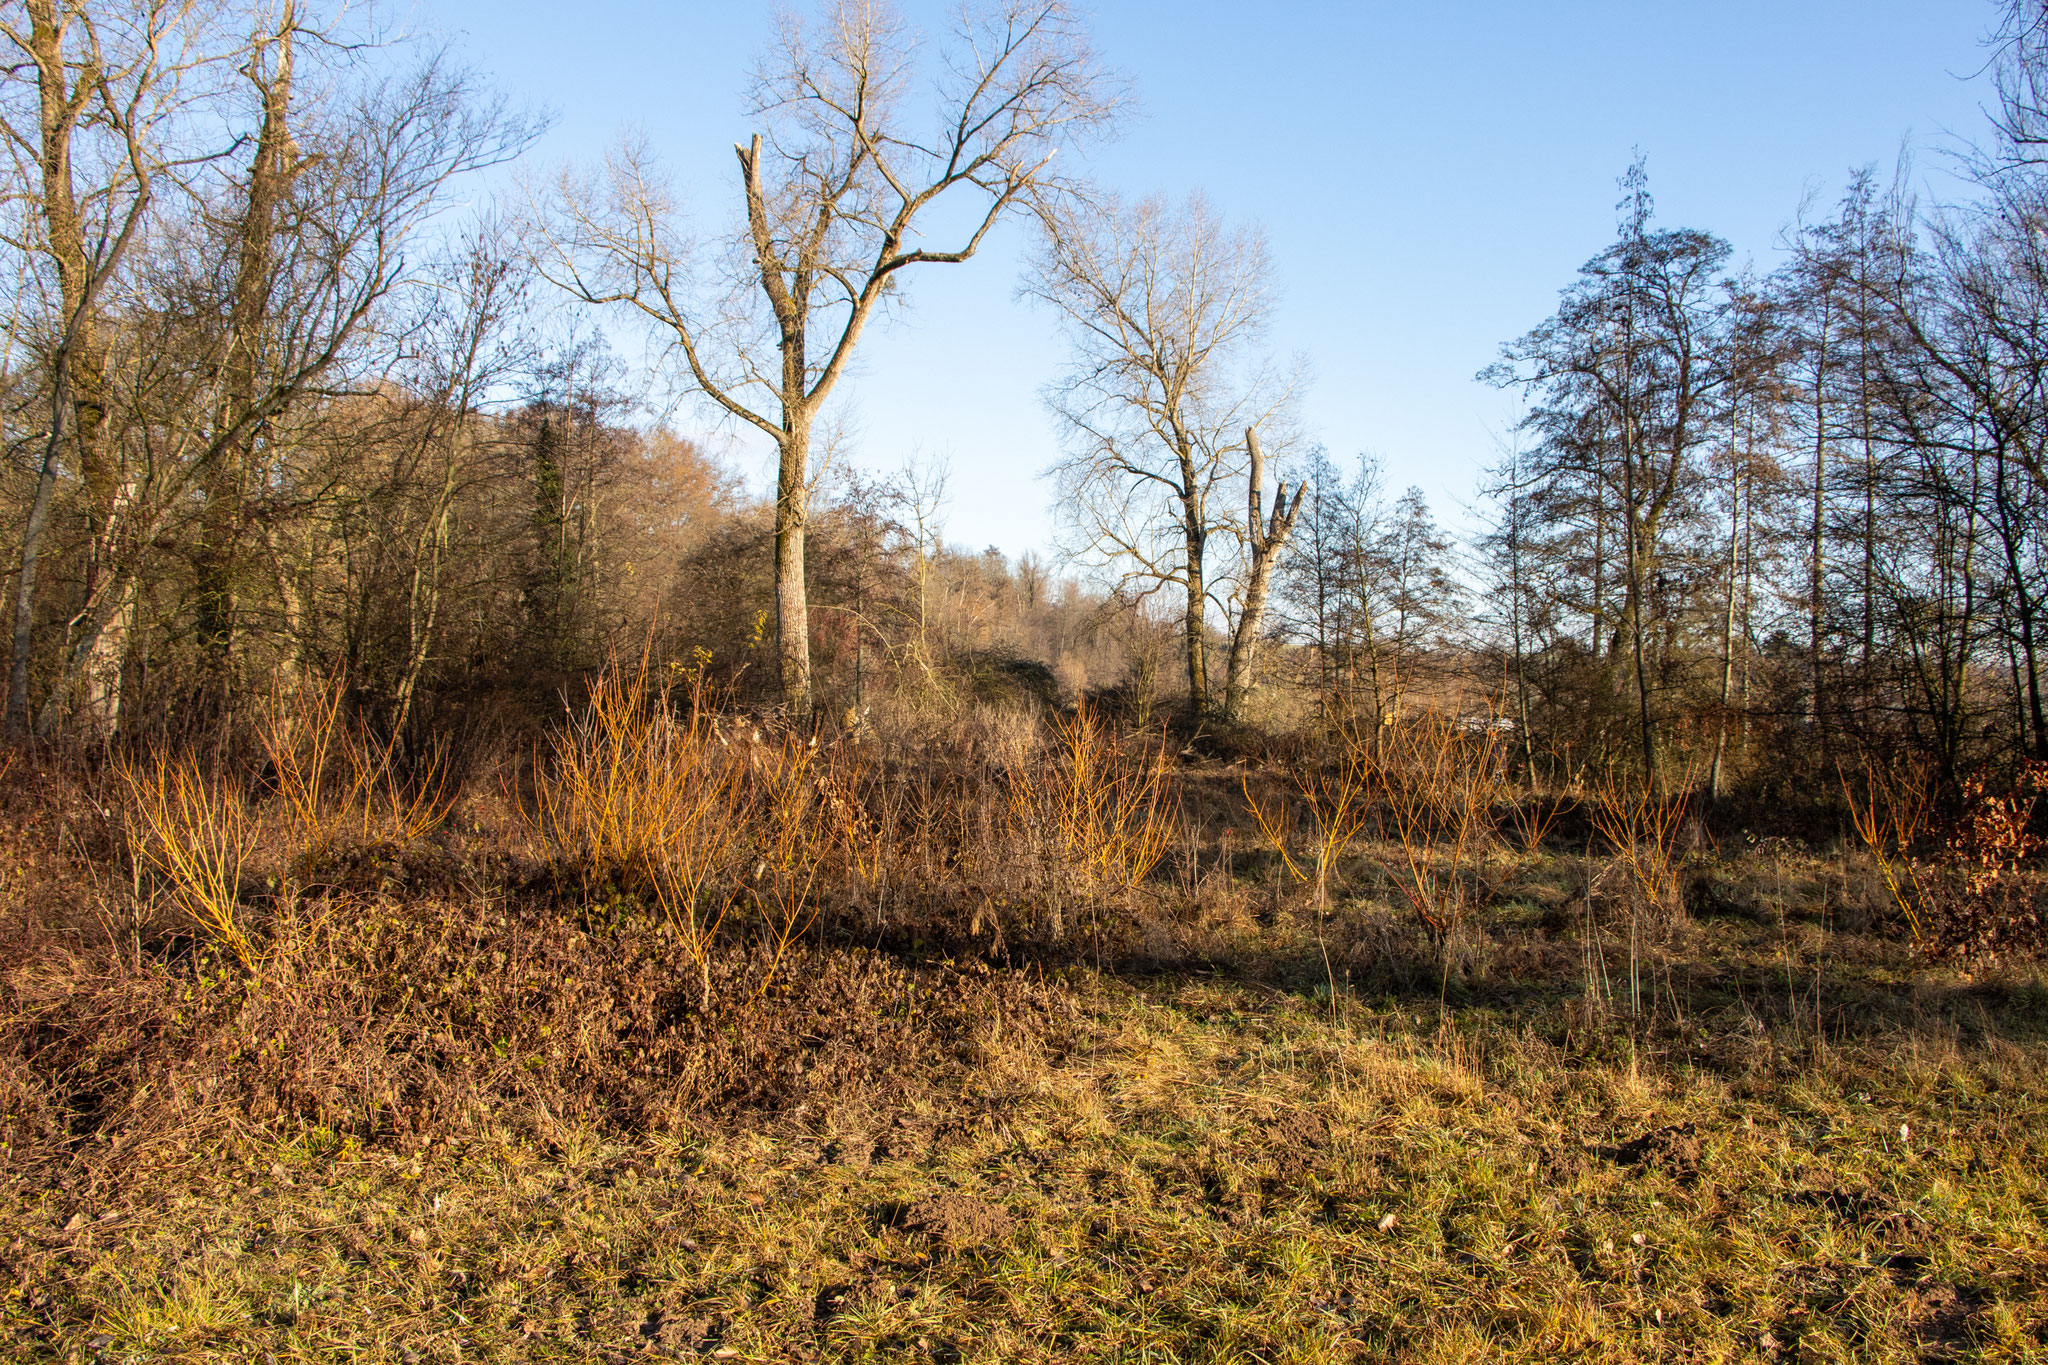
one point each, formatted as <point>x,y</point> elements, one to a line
<point>252,296</point>
<point>1165,308</point>
<point>88,94</point>
<point>1265,539</point>
<point>1631,372</point>
<point>2019,65</point>
<point>471,347</point>
<point>835,196</point>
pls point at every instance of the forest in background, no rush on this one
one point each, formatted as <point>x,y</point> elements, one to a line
<point>281,402</point>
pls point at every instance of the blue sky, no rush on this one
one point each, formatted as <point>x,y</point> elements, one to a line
<point>1429,176</point>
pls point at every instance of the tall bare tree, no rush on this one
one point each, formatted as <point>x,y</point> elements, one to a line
<point>247,285</point>
<point>83,108</point>
<point>835,196</point>
<point>1631,372</point>
<point>1166,307</point>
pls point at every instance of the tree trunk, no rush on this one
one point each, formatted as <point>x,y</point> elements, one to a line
<point>271,171</point>
<point>792,605</point>
<point>1815,566</point>
<point>423,603</point>
<point>1264,541</point>
<point>106,655</point>
<point>1728,628</point>
<point>1638,570</point>
<point>75,396</point>
<point>1194,620</point>
<point>31,557</point>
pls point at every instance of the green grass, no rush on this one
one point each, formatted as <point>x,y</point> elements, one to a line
<point>1201,1171</point>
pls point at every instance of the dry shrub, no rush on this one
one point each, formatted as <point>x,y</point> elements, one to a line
<point>646,790</point>
<point>424,1021</point>
<point>1336,798</point>
<point>1891,805</point>
<point>620,786</point>
<point>1969,893</point>
<point>1427,787</point>
<point>729,826</point>
<point>633,791</point>
<point>1993,909</point>
<point>1438,783</point>
<point>196,825</point>
<point>61,842</point>
<point>195,830</point>
<point>802,824</point>
<point>339,787</point>
<point>1534,815</point>
<point>1642,827</point>
<point>1092,816</point>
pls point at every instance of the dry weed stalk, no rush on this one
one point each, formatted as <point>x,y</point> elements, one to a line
<point>1100,814</point>
<point>1890,815</point>
<point>338,784</point>
<point>198,834</point>
<point>1436,785</point>
<point>842,774</point>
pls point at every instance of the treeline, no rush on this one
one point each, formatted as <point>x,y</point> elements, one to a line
<point>1763,522</point>
<point>1753,525</point>
<point>277,404</point>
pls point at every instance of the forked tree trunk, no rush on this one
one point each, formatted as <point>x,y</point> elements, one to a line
<point>1265,539</point>
<point>272,170</point>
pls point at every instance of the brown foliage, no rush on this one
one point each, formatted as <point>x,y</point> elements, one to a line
<point>1992,906</point>
<point>422,1021</point>
<point>1963,883</point>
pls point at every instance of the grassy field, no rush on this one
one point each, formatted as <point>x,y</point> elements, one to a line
<point>710,1042</point>
<point>1814,1149</point>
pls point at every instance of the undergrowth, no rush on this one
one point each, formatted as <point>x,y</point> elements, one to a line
<point>689,1034</point>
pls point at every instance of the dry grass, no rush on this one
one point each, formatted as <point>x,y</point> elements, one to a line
<point>1195,1171</point>
<point>655,1093</point>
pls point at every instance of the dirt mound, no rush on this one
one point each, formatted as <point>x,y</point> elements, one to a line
<point>956,1220</point>
<point>1674,1149</point>
<point>1292,1139</point>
